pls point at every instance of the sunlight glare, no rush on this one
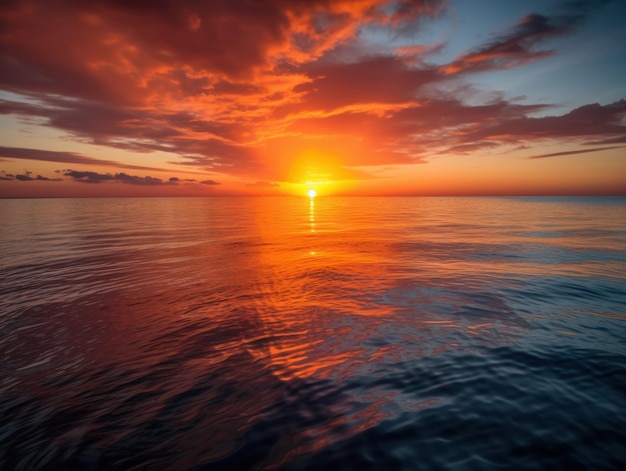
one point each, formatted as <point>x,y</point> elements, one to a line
<point>312,193</point>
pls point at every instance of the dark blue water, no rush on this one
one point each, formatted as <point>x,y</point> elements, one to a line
<point>343,333</point>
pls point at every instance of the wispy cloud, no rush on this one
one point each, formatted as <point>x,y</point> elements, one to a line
<point>570,152</point>
<point>519,46</point>
<point>64,157</point>
<point>580,123</point>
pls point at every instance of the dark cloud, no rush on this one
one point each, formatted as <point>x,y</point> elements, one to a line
<point>100,123</point>
<point>379,79</point>
<point>50,156</point>
<point>513,49</point>
<point>46,179</point>
<point>135,180</point>
<point>583,122</point>
<point>97,178</point>
<point>571,152</point>
<point>26,177</point>
<point>94,177</point>
<point>89,177</point>
<point>470,148</point>
<point>518,47</point>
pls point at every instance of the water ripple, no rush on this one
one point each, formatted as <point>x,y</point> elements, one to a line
<point>354,333</point>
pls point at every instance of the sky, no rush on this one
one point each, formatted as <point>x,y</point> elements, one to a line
<point>347,97</point>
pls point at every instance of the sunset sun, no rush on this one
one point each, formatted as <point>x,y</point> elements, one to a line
<point>311,193</point>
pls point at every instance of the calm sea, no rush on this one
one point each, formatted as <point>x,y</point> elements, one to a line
<point>339,333</point>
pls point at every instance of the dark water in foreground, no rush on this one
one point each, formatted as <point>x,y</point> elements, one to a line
<point>356,333</point>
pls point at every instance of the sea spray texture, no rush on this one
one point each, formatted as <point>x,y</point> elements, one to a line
<point>284,333</point>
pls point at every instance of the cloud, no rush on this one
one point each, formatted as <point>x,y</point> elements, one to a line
<point>135,180</point>
<point>511,50</point>
<point>158,39</point>
<point>63,157</point>
<point>207,144</point>
<point>46,179</point>
<point>580,123</point>
<point>209,182</point>
<point>95,178</point>
<point>99,123</point>
<point>517,47</point>
<point>571,152</point>
<point>50,156</point>
<point>378,79</point>
<point>24,178</point>
<point>408,133</point>
<point>155,76</point>
<point>122,39</point>
<point>89,177</point>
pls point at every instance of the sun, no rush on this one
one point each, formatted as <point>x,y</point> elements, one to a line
<point>312,193</point>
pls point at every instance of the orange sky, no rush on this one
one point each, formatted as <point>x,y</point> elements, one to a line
<point>363,97</point>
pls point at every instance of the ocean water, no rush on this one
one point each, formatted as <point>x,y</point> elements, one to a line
<point>339,333</point>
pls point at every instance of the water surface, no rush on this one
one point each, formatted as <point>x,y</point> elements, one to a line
<point>339,333</point>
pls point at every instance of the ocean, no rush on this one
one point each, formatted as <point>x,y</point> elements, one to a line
<point>284,333</point>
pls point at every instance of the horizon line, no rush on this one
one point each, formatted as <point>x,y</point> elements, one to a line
<point>534,195</point>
